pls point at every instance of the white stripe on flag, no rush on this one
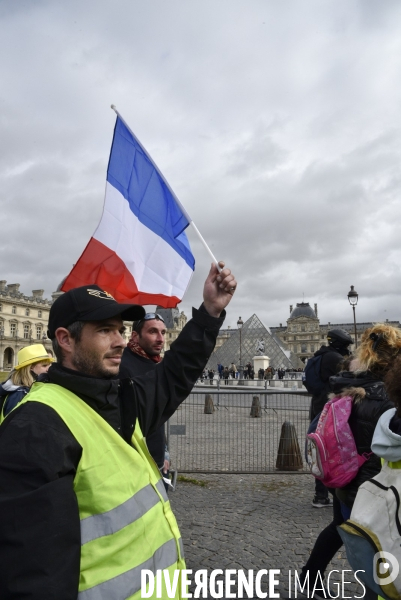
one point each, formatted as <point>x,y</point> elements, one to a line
<point>151,261</point>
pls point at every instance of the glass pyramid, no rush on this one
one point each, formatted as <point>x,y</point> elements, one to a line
<point>252,334</point>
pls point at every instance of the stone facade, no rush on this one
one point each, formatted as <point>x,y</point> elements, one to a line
<point>23,321</point>
<point>305,334</point>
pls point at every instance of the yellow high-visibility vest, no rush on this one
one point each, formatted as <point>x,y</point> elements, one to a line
<point>126,520</point>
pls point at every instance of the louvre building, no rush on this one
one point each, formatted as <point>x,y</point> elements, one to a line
<point>247,342</point>
<point>304,334</point>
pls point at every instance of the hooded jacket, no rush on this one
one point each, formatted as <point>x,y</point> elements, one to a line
<point>370,401</point>
<point>386,441</point>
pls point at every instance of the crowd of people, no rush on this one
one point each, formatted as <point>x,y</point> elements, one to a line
<point>83,506</point>
<point>83,467</point>
<point>232,372</point>
<point>371,377</point>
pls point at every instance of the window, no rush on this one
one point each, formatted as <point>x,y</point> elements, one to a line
<point>27,312</point>
<point>39,314</point>
<point>26,331</point>
<point>303,348</point>
<point>1,307</point>
<point>302,327</point>
<point>38,332</point>
<point>312,348</point>
<point>13,329</point>
<point>14,310</point>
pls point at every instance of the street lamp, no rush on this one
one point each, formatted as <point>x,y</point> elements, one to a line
<point>353,300</point>
<point>240,323</point>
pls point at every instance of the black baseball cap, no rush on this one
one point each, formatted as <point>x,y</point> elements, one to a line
<point>89,303</point>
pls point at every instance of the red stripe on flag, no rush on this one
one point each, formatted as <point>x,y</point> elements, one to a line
<point>98,264</point>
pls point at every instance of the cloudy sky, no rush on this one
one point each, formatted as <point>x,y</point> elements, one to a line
<point>276,122</point>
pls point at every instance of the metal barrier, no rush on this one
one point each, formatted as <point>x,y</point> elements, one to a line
<point>294,382</point>
<point>229,440</point>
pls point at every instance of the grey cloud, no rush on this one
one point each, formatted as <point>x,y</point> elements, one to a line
<point>276,124</point>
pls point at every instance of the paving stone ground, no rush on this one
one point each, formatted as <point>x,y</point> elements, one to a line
<point>252,522</point>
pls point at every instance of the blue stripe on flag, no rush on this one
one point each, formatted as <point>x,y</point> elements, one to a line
<point>132,172</point>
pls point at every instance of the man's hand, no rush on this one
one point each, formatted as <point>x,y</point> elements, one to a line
<point>218,290</point>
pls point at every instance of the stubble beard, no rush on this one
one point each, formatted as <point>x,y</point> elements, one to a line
<point>149,349</point>
<point>91,364</point>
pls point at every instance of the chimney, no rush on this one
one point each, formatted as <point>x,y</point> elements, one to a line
<point>3,285</point>
<point>316,309</point>
<point>13,288</point>
<point>37,294</point>
<point>281,325</point>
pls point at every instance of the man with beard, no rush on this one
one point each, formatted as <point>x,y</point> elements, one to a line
<point>83,508</point>
<point>141,355</point>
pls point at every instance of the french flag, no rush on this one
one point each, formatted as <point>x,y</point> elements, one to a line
<point>139,252</point>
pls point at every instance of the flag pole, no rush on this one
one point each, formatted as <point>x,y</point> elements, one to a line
<point>172,193</point>
<point>212,256</point>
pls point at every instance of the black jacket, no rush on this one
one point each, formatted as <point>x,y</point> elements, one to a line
<point>39,518</point>
<point>329,366</point>
<point>133,365</point>
<point>365,413</point>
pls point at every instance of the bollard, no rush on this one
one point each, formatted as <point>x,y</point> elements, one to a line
<point>209,406</point>
<point>256,410</point>
<point>289,456</point>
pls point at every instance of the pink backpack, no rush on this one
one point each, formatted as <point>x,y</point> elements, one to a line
<point>331,450</point>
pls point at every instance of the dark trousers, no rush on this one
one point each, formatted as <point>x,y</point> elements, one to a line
<point>321,490</point>
<point>326,547</point>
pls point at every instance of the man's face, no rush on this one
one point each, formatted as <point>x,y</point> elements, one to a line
<point>99,351</point>
<point>151,338</point>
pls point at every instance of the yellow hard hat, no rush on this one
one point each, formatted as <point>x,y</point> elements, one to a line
<point>32,354</point>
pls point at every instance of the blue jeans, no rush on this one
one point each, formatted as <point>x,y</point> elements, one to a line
<point>345,511</point>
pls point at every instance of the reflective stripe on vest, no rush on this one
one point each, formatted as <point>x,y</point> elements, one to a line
<point>129,583</point>
<point>126,520</point>
<point>113,520</point>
